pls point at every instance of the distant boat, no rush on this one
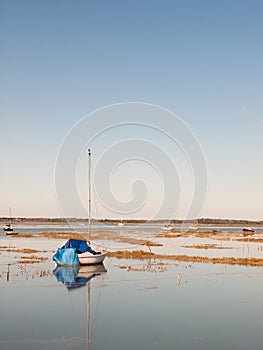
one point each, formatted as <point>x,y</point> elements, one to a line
<point>167,228</point>
<point>194,227</point>
<point>8,227</point>
<point>120,223</point>
<point>79,252</point>
<point>248,229</point>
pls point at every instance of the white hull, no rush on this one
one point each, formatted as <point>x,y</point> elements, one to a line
<point>90,259</point>
<point>248,229</point>
<point>8,228</point>
<point>167,228</point>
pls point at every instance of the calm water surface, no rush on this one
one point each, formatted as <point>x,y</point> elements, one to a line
<point>133,305</point>
<point>29,227</point>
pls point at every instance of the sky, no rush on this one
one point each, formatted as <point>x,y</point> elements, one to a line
<point>63,61</point>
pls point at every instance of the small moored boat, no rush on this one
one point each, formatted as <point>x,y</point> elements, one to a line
<point>167,228</point>
<point>121,224</point>
<point>8,228</point>
<point>78,252</point>
<point>248,229</point>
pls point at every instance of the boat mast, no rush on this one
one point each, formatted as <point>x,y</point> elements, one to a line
<point>10,220</point>
<point>89,189</point>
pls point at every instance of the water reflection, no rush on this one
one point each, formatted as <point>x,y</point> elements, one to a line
<point>74,277</point>
<point>215,307</point>
<point>78,277</point>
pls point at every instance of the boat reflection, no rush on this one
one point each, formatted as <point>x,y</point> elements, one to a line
<point>74,277</point>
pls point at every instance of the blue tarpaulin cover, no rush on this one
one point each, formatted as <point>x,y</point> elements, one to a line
<point>80,245</point>
<point>68,254</point>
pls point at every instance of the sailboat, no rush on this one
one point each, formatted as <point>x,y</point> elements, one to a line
<point>76,251</point>
<point>195,226</point>
<point>167,227</point>
<point>121,224</point>
<point>8,226</point>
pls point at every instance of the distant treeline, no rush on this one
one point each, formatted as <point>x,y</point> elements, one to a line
<point>202,221</point>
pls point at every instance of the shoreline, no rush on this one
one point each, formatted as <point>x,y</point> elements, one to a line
<point>196,222</point>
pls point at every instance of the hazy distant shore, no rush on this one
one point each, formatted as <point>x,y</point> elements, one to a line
<point>202,221</point>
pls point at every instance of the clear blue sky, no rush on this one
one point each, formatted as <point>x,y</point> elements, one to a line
<point>61,60</point>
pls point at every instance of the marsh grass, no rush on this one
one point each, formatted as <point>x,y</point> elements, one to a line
<point>118,236</point>
<point>106,235</point>
<point>33,259</point>
<point>25,251</point>
<point>28,259</point>
<point>55,235</point>
<point>250,240</point>
<point>207,246</point>
<point>139,254</point>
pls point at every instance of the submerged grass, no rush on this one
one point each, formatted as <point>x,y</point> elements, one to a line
<point>56,235</point>
<point>28,259</point>
<point>31,259</point>
<point>250,240</point>
<point>206,246</point>
<point>139,254</point>
<point>25,251</point>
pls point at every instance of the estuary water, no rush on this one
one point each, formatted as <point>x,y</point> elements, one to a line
<point>213,307</point>
<point>147,228</point>
<point>126,304</point>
